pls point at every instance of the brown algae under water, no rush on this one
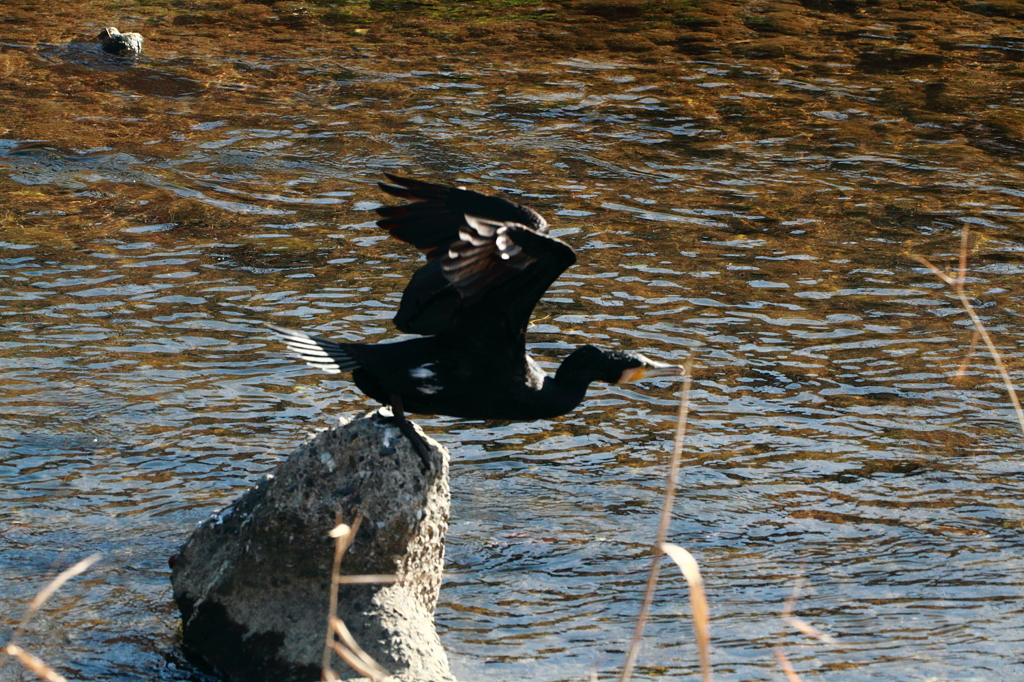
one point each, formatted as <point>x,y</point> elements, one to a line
<point>743,183</point>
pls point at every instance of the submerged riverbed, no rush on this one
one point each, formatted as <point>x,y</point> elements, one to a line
<point>745,184</point>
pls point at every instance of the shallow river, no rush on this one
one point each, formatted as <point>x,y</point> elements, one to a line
<point>757,216</point>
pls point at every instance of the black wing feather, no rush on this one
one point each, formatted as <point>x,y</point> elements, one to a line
<point>436,214</point>
<point>430,303</point>
<point>487,257</point>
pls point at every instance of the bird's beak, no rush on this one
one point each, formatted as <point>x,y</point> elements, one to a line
<point>650,369</point>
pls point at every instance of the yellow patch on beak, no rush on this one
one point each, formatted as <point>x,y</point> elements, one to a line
<point>649,370</point>
<point>632,374</point>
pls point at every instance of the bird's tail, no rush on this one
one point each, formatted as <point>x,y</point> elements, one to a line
<point>330,356</point>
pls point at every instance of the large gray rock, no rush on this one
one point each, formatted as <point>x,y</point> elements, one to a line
<point>253,581</point>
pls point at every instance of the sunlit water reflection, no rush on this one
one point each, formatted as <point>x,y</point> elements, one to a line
<point>831,439</point>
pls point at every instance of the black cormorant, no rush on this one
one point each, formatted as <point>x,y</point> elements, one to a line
<point>489,260</point>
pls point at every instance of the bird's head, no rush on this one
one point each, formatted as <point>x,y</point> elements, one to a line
<point>590,363</point>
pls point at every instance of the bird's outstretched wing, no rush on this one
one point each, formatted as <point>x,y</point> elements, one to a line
<point>488,258</point>
<point>433,220</point>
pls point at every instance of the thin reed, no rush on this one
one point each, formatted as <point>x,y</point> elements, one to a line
<point>37,665</point>
<point>802,626</point>
<point>663,524</point>
<point>339,639</point>
<point>698,604</point>
<point>958,288</point>
<point>799,624</point>
<point>349,651</point>
<point>787,667</point>
<point>343,535</point>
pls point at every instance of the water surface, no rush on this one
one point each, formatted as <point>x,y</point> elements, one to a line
<point>755,212</point>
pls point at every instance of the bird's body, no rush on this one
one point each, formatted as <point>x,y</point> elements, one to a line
<point>486,379</point>
<point>432,377</point>
<point>123,44</point>
<point>489,261</point>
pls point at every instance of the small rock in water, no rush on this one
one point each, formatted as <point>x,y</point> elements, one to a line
<point>115,42</point>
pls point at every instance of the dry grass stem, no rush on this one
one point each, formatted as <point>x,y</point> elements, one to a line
<point>53,586</point>
<point>965,239</point>
<point>800,624</point>
<point>958,287</point>
<point>665,519</point>
<point>34,664</point>
<point>698,603</point>
<point>806,628</point>
<point>786,666</point>
<point>353,662</point>
<point>354,655</point>
<point>975,337</point>
<point>367,579</point>
<point>347,648</point>
<point>343,536</point>
<point>342,530</point>
<point>43,671</point>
